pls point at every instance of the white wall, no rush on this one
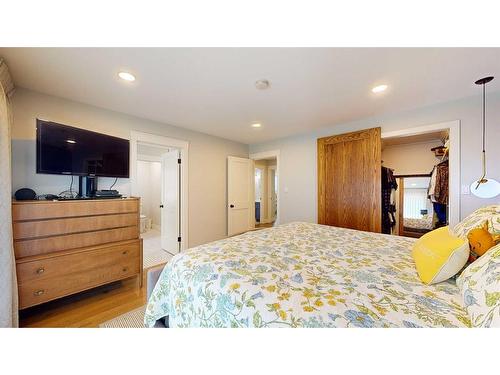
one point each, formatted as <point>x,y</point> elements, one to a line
<point>143,176</point>
<point>149,187</point>
<point>154,208</point>
<point>298,153</point>
<point>412,158</point>
<point>207,156</point>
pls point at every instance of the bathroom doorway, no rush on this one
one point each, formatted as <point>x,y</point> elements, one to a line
<point>158,171</point>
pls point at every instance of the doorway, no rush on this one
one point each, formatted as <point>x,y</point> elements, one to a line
<point>265,192</point>
<point>415,158</point>
<point>159,178</point>
<point>260,171</point>
<point>242,184</point>
<point>441,133</point>
<point>266,189</point>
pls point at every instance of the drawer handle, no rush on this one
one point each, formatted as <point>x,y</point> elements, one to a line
<point>39,292</point>
<point>125,269</point>
<point>40,270</point>
<point>125,252</point>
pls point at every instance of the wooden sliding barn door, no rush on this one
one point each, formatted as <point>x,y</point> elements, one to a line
<point>349,186</point>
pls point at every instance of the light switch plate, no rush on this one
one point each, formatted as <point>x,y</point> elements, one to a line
<point>465,190</point>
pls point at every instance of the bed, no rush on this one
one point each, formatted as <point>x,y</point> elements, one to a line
<point>302,275</point>
<point>422,225</point>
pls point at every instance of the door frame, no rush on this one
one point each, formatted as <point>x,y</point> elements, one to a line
<point>262,186</point>
<point>454,182</point>
<point>269,195</point>
<point>265,155</point>
<point>183,147</point>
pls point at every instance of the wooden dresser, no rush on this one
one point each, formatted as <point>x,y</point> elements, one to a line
<point>64,247</point>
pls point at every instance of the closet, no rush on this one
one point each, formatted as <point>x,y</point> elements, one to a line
<point>396,185</point>
<point>419,195</point>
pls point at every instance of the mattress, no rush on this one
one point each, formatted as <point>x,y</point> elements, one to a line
<point>302,275</point>
<point>418,224</point>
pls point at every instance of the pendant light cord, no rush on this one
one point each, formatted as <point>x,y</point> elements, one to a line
<point>483,82</point>
<point>484,114</point>
<point>482,179</point>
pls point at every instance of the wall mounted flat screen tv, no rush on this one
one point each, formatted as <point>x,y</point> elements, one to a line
<point>62,149</point>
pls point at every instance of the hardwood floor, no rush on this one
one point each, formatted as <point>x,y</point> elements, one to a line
<point>89,308</point>
<point>264,225</point>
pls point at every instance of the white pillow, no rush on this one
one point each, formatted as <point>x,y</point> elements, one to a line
<point>479,286</point>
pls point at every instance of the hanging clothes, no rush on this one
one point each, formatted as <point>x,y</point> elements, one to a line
<point>440,211</point>
<point>389,185</point>
<point>438,191</point>
<point>441,188</point>
<point>438,186</point>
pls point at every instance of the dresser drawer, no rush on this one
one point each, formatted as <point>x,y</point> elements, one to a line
<point>53,210</point>
<point>55,227</point>
<point>83,271</point>
<point>50,267</point>
<point>26,248</point>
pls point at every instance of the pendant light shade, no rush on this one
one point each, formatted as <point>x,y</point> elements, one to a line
<point>485,187</point>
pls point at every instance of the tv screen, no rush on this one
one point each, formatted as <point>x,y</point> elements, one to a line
<point>62,149</point>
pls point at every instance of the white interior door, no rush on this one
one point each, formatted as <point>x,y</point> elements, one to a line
<point>272,194</point>
<point>170,206</point>
<point>240,195</point>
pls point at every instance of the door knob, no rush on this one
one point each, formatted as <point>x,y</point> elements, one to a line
<point>161,205</point>
<point>231,205</point>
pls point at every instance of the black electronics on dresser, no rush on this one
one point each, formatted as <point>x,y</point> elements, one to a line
<point>25,194</point>
<point>103,194</point>
<point>66,150</point>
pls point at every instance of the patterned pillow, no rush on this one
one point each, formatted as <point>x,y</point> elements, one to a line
<point>480,289</point>
<point>494,225</point>
<point>475,219</point>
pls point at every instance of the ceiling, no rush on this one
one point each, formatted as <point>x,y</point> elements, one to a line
<point>417,138</point>
<point>416,182</point>
<point>212,89</point>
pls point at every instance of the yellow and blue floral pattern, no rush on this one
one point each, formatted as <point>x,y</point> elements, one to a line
<point>479,284</point>
<point>476,220</point>
<point>302,275</point>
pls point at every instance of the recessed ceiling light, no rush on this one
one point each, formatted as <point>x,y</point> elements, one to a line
<point>262,84</point>
<point>256,125</point>
<point>70,141</point>
<point>379,88</point>
<point>126,76</point>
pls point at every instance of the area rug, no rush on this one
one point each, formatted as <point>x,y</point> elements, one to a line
<point>155,259</point>
<point>132,319</point>
<point>153,254</point>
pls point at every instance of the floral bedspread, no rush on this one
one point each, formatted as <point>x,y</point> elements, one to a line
<point>418,223</point>
<point>302,275</point>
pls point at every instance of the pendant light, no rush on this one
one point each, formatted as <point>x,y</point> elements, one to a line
<point>485,187</point>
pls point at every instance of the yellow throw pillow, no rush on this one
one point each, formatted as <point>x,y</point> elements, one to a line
<point>439,255</point>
